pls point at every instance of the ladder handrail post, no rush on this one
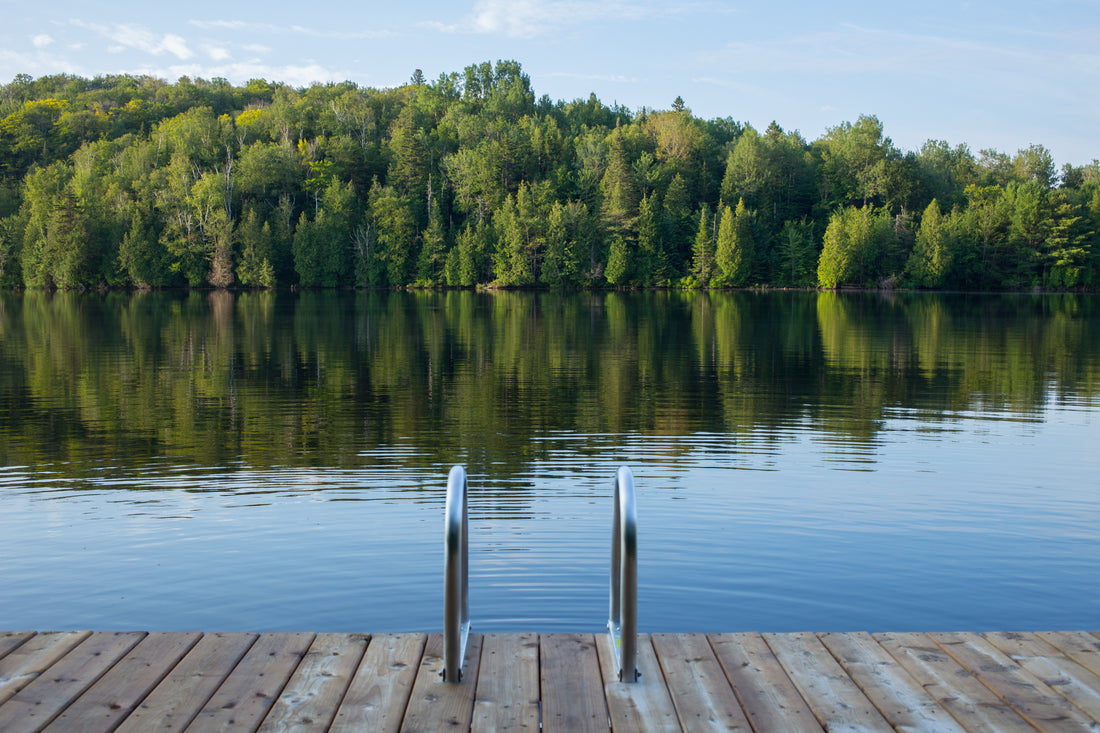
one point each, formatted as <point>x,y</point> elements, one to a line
<point>456,583</point>
<point>623,624</point>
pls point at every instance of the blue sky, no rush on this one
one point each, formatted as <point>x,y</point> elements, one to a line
<point>991,75</point>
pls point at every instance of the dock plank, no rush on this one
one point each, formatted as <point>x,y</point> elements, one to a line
<point>571,684</point>
<point>508,684</point>
<point>1040,705</point>
<point>798,683</point>
<point>247,694</point>
<point>962,694</point>
<point>767,695</point>
<point>117,693</point>
<point>23,664</point>
<point>10,640</point>
<point>895,692</point>
<point>703,697</point>
<point>435,705</point>
<point>34,706</point>
<point>835,699</point>
<point>1076,683</point>
<point>379,692</point>
<point>643,705</point>
<point>309,701</point>
<point>1080,646</point>
<point>178,698</point>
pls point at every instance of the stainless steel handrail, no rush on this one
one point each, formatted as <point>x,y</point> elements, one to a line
<point>623,624</point>
<point>456,584</point>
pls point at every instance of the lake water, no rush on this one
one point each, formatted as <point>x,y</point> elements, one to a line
<point>803,461</point>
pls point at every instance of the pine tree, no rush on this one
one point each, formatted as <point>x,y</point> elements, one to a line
<point>647,258</point>
<point>618,261</point>
<point>931,257</point>
<point>702,261</point>
<point>736,247</point>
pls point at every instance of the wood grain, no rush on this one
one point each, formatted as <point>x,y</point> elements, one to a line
<point>1027,694</point>
<point>643,705</point>
<point>34,706</point>
<point>959,692</point>
<point>117,693</point>
<point>182,693</point>
<point>308,702</point>
<point>702,695</point>
<point>435,705</point>
<point>769,698</point>
<point>571,684</point>
<point>508,684</point>
<point>1003,682</point>
<point>248,693</point>
<point>837,701</point>
<point>379,691</point>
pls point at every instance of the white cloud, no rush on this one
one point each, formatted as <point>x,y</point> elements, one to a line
<point>176,46</point>
<point>217,53</point>
<point>530,18</point>
<point>36,63</point>
<point>126,36</point>
<point>297,75</point>
<point>41,40</point>
<point>612,78</point>
<point>299,30</point>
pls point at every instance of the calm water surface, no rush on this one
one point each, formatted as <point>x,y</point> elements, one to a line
<point>804,461</point>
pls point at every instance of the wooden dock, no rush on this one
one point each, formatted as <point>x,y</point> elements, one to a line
<point>136,681</point>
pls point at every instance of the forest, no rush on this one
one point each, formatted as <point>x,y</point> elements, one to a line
<point>471,180</point>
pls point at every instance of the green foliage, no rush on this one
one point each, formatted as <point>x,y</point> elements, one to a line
<point>930,261</point>
<point>1035,163</point>
<point>618,261</point>
<point>1068,245</point>
<point>702,253</point>
<point>255,269</point>
<point>650,260</point>
<point>469,180</point>
<point>735,247</point>
<point>323,247</point>
<point>855,162</point>
<point>141,256</point>
<point>855,245</point>
<point>395,233</point>
<point>567,235</point>
<point>797,254</point>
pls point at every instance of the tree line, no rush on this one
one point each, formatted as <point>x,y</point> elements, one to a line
<point>470,180</point>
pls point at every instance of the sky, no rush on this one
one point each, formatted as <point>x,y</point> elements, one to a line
<point>1001,75</point>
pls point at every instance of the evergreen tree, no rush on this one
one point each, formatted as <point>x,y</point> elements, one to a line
<point>1068,246</point>
<point>702,254</point>
<point>618,261</point>
<point>433,253</point>
<point>648,259</point>
<point>797,256</point>
<point>124,181</point>
<point>255,269</point>
<point>561,265</point>
<point>853,248</point>
<point>678,228</point>
<point>930,261</point>
<point>735,248</point>
<point>395,237</point>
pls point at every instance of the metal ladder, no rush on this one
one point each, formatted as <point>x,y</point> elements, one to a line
<point>623,622</point>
